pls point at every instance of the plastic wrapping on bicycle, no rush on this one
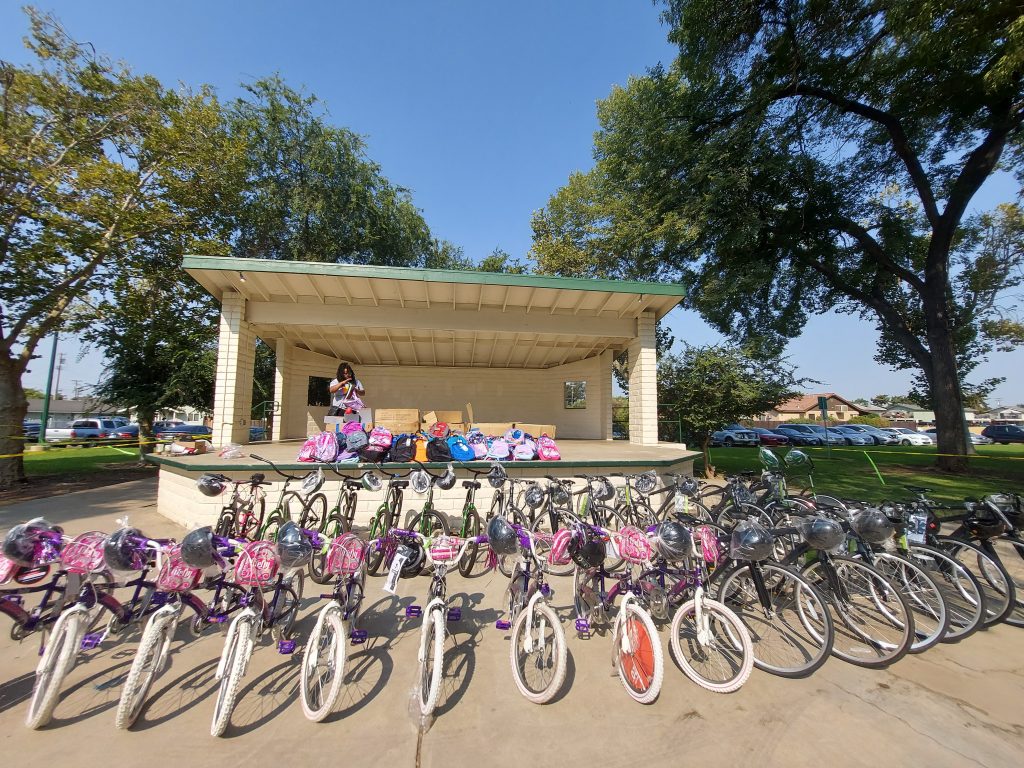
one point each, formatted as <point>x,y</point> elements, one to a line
<point>778,533</point>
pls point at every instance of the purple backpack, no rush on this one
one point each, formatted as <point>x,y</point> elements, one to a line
<point>326,447</point>
<point>380,437</point>
<point>525,451</point>
<point>498,449</point>
<point>308,450</point>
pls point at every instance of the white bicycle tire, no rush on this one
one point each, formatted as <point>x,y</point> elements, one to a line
<point>234,671</point>
<point>329,626</point>
<point>149,658</point>
<point>559,656</point>
<point>57,661</point>
<point>736,632</point>
<point>432,666</point>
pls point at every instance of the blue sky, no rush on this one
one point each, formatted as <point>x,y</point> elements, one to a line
<point>481,109</point>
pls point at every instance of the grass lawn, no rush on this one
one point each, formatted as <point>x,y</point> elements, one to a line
<point>74,461</point>
<point>849,474</point>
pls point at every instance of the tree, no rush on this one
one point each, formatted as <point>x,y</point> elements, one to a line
<point>501,261</point>
<point>872,419</point>
<point>799,158</point>
<point>97,167</point>
<point>33,394</point>
<point>710,387</point>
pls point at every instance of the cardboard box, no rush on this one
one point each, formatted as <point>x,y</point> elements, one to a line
<point>537,429</point>
<point>188,447</point>
<point>496,428</point>
<point>398,420</point>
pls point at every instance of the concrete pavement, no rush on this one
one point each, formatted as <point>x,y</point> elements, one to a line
<point>954,705</point>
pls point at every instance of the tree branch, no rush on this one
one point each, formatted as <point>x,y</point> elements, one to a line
<point>874,249</point>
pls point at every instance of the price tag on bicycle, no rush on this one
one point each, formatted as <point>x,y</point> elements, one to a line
<point>916,528</point>
<point>682,503</point>
<point>396,569</point>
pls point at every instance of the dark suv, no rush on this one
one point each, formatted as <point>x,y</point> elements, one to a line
<point>1004,433</point>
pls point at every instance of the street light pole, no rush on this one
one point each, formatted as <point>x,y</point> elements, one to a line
<point>46,396</point>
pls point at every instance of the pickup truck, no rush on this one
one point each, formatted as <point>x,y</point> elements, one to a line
<point>82,430</point>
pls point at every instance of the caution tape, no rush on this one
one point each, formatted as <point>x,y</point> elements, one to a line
<point>971,456</point>
<point>98,443</point>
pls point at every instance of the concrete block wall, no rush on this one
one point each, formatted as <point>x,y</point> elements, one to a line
<point>643,383</point>
<point>236,356</point>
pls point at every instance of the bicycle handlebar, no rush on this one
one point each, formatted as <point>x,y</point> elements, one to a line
<point>275,467</point>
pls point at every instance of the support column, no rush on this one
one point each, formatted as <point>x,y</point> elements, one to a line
<point>643,383</point>
<point>605,372</point>
<point>236,355</point>
<point>284,355</point>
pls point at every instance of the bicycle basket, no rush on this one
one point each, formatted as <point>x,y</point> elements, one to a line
<point>633,545</point>
<point>445,549</point>
<point>176,575</point>
<point>559,552</point>
<point>84,554</point>
<point>257,564</point>
<point>345,555</point>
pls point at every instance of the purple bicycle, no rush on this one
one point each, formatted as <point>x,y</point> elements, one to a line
<point>30,565</point>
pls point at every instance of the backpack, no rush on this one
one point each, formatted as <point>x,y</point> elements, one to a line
<point>547,450</point>
<point>350,427</point>
<point>440,429</point>
<point>308,450</point>
<point>326,447</point>
<point>460,449</point>
<point>437,450</point>
<point>374,453</point>
<point>498,449</point>
<point>421,448</point>
<point>380,437</point>
<point>478,442</point>
<point>355,441</point>
<point>404,449</point>
<point>525,451</point>
<point>514,437</point>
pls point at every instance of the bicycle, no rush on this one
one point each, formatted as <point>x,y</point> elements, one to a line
<point>307,507</point>
<point>539,659</point>
<point>261,567</point>
<point>242,517</point>
<point>40,545</point>
<point>341,517</point>
<point>470,527</point>
<point>386,518</point>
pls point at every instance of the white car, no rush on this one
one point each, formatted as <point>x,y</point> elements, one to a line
<point>910,436</point>
<point>975,437</point>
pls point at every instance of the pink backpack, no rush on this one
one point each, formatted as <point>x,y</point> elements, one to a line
<point>351,426</point>
<point>547,450</point>
<point>525,451</point>
<point>308,450</point>
<point>326,447</point>
<point>498,449</point>
<point>380,437</point>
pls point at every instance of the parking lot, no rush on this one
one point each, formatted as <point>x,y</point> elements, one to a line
<point>952,706</point>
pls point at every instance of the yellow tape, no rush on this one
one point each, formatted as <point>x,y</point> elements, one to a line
<point>911,453</point>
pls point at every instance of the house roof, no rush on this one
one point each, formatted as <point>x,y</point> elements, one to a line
<point>431,317</point>
<point>58,407</point>
<point>809,402</point>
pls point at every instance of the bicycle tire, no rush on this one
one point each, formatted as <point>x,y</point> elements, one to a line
<point>470,529</point>
<point>284,620</point>
<point>1013,565</point>
<point>890,636</point>
<point>931,618</point>
<point>431,667</point>
<point>1000,593</point>
<point>732,633</point>
<point>149,658</point>
<point>964,596</point>
<point>225,522</point>
<point>793,636</point>
<point>639,660</point>
<point>323,661</point>
<point>375,553</point>
<point>253,521</point>
<point>314,513</point>
<point>270,527</point>
<point>726,519</point>
<point>58,659</point>
<point>236,660</point>
<point>333,528</point>
<point>551,653</point>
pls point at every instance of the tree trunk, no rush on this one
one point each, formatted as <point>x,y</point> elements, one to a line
<point>947,398</point>
<point>144,416</point>
<point>13,407</point>
<point>705,444</point>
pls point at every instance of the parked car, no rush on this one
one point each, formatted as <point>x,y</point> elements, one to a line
<point>166,424</point>
<point>186,432</point>
<point>82,430</point>
<point>852,436</point>
<point>975,438</point>
<point>257,433</point>
<point>1004,434</point>
<point>734,434</point>
<point>878,435</point>
<point>126,432</point>
<point>768,437</point>
<point>827,437</point>
<point>31,429</point>
<point>799,434</point>
<point>909,436</point>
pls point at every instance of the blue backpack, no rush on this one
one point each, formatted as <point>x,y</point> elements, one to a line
<point>461,450</point>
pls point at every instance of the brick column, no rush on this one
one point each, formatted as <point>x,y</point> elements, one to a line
<point>236,354</point>
<point>284,356</point>
<point>643,383</point>
<point>605,368</point>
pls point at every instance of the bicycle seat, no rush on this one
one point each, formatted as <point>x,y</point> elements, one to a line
<point>399,484</point>
<point>474,484</point>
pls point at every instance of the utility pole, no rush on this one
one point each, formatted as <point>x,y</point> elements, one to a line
<point>46,397</point>
<point>77,388</point>
<point>60,364</point>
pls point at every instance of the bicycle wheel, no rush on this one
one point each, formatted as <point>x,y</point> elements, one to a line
<point>334,527</point>
<point>961,592</point>
<point>542,525</point>
<point>294,507</point>
<point>314,513</point>
<point>58,659</point>
<point>271,526</point>
<point>323,665</point>
<point>249,521</point>
<point>433,660</point>
<point>539,657</point>
<point>638,656</point>
<point>375,553</point>
<point>470,529</point>
<point>718,657</point>
<point>931,619</point>
<point>146,666</point>
<point>728,517</point>
<point>234,661</point>
<point>226,522</point>
<point>792,635</point>
<point>1000,592</point>
<point>290,596</point>
<point>1011,556</point>
<point>430,524</point>
<point>874,625</point>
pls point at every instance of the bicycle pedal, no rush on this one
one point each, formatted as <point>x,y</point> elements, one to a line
<point>357,636</point>
<point>218,619</point>
<point>286,647</point>
<point>503,625</point>
<point>454,614</point>
<point>413,611</point>
<point>583,627</point>
<point>91,640</point>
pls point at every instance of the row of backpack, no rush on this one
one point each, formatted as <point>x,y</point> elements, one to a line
<point>438,444</point>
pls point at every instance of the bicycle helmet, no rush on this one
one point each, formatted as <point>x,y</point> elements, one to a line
<point>984,523</point>
<point>294,550</point>
<point>585,549</point>
<point>873,525</point>
<point>797,459</point>
<point>768,458</point>
<point>447,481</point>
<point>821,533</point>
<point>371,482</point>
<point>419,481</point>
<point>122,554</point>
<point>534,496</point>
<point>197,548</point>
<point>672,541</point>
<point>496,477</point>
<point>415,558</point>
<point>751,541</point>
<point>502,537</point>
<point>313,482</point>
<point>211,485</point>
<point>688,486</point>
<point>22,540</point>
<point>559,493</point>
<point>646,482</point>
<point>602,489</point>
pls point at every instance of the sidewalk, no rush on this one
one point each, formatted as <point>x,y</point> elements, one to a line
<point>952,706</point>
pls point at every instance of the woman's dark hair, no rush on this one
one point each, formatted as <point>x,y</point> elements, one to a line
<point>341,370</point>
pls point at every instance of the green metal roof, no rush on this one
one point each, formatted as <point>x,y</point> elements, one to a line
<point>431,275</point>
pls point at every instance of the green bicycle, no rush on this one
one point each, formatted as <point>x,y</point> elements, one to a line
<point>307,507</point>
